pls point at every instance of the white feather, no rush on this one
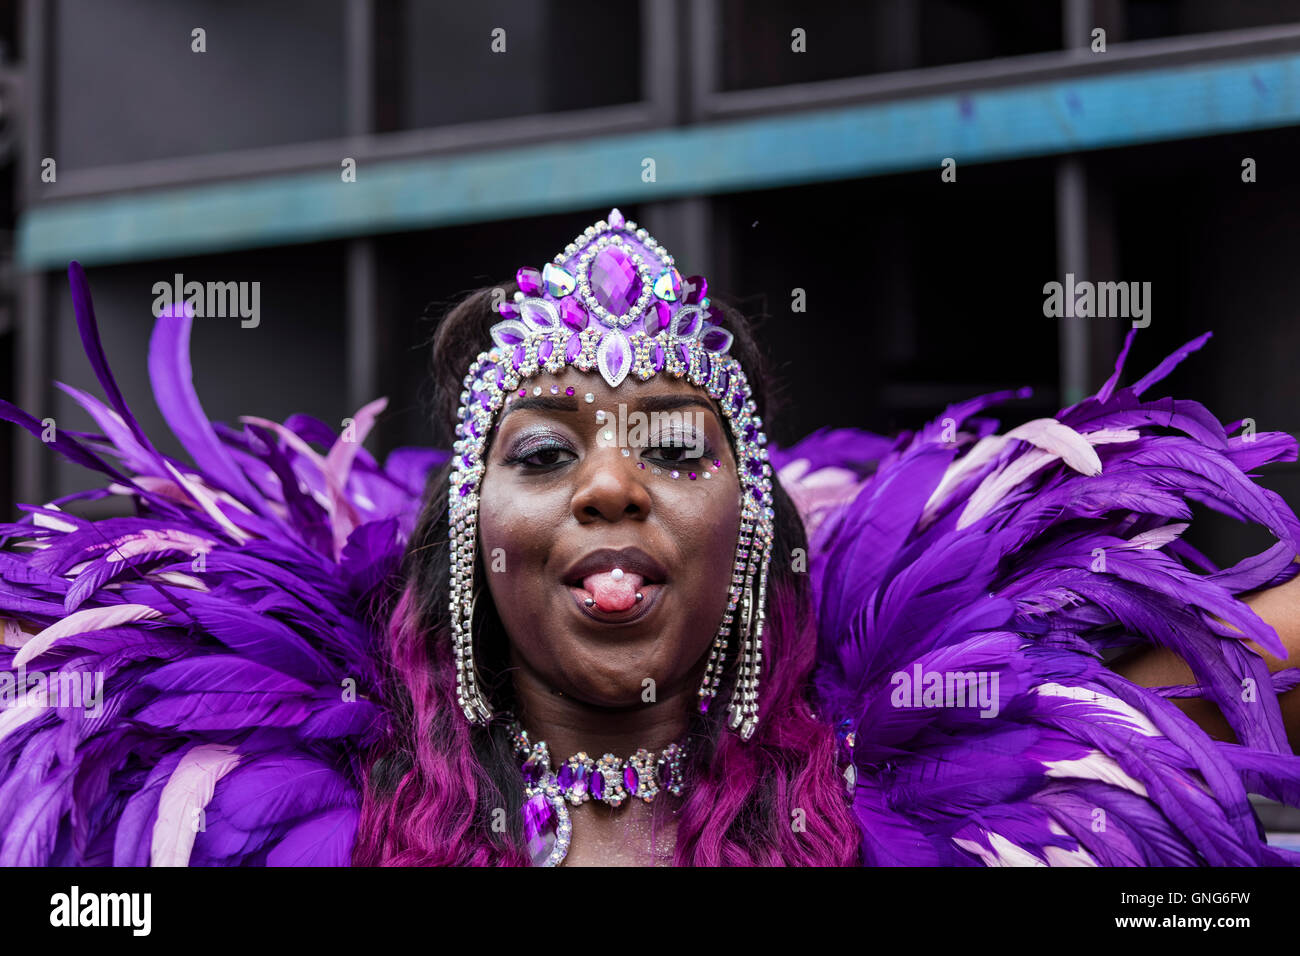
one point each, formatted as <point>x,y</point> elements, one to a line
<point>1095,765</point>
<point>185,795</point>
<point>1129,716</point>
<point>1004,852</point>
<point>79,622</point>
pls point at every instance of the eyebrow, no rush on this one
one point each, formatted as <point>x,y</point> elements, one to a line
<point>566,403</point>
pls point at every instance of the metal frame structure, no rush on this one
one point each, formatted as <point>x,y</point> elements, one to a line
<point>706,141</point>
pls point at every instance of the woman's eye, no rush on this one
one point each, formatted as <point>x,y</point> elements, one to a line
<point>547,456</point>
<point>539,458</point>
<point>677,453</point>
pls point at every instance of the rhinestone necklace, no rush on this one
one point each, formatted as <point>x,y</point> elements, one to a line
<point>609,780</point>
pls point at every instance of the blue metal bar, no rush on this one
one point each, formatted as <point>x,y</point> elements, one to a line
<point>1061,116</point>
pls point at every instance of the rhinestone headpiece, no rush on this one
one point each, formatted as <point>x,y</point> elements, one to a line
<point>613,301</point>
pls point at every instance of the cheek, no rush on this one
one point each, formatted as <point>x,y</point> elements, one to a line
<point>706,525</point>
<point>516,531</point>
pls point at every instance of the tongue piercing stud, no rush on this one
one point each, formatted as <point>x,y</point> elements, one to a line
<point>589,602</point>
<point>617,574</point>
<point>639,595</point>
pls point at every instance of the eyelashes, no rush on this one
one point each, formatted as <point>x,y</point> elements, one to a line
<point>523,453</point>
<point>543,453</point>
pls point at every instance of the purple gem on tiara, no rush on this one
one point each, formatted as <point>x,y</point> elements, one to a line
<point>614,357</point>
<point>715,339</point>
<point>530,281</point>
<point>538,313</point>
<point>696,288</point>
<point>508,310</point>
<point>573,315</point>
<point>565,778</point>
<point>572,348</point>
<point>544,349</point>
<point>658,318</point>
<point>598,784</point>
<point>616,220</point>
<point>510,334</point>
<point>687,323</point>
<point>614,282</point>
<point>630,780</point>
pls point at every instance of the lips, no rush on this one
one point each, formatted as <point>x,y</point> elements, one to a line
<point>612,579</point>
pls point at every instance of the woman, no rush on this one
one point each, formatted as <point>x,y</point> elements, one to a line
<point>559,487</point>
<point>617,638</point>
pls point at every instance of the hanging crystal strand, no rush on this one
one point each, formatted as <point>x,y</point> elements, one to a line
<point>718,656</point>
<point>750,723</point>
<point>740,693</point>
<point>468,695</point>
<point>743,708</point>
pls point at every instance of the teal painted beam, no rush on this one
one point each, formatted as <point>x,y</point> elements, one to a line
<point>786,149</point>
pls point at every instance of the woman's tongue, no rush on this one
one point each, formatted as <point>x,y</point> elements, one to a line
<point>611,592</point>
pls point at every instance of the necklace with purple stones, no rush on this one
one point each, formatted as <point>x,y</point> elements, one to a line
<point>609,780</point>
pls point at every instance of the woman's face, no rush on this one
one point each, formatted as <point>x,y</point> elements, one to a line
<point>558,488</point>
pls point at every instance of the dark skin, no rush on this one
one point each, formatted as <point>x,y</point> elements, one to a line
<point>556,488</point>
<point>1280,609</point>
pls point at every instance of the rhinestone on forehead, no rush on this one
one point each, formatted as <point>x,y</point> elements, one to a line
<point>612,302</point>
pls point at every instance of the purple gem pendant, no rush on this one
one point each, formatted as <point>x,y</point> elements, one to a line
<point>548,828</point>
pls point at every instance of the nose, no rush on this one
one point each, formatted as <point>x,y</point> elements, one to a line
<point>610,488</point>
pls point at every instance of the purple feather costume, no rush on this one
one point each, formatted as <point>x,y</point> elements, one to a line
<point>233,624</point>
